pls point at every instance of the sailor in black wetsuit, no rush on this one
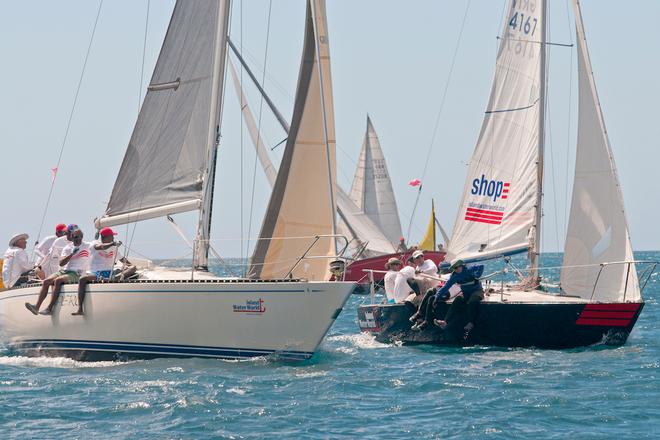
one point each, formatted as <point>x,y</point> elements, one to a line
<point>471,294</point>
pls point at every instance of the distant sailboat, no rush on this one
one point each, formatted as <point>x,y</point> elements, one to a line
<point>372,189</point>
<point>500,213</point>
<point>169,167</point>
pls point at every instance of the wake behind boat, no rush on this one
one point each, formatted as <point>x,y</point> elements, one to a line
<point>599,295</point>
<point>287,304</point>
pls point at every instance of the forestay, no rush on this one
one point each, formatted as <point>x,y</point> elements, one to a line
<point>496,215</point>
<point>598,230</point>
<point>162,172</point>
<point>372,188</point>
<point>302,202</point>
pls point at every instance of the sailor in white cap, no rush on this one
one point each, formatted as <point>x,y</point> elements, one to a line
<point>16,262</point>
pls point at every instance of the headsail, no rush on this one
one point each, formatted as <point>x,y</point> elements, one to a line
<point>352,222</point>
<point>429,241</point>
<point>497,212</point>
<point>372,188</point>
<point>597,230</point>
<point>301,204</point>
<point>164,166</point>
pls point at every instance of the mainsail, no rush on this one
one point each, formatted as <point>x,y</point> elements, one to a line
<point>302,202</point>
<point>597,230</point>
<point>166,162</point>
<point>352,222</point>
<point>498,211</point>
<point>372,188</point>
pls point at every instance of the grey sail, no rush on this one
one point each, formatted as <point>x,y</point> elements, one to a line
<point>372,188</point>
<point>166,160</point>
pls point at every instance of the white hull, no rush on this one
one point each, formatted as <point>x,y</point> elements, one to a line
<point>177,318</point>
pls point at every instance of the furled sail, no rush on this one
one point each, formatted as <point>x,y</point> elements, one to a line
<point>302,202</point>
<point>497,212</point>
<point>162,172</point>
<point>372,189</point>
<point>352,222</point>
<point>597,230</point>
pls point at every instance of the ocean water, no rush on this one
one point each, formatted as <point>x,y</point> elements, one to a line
<point>353,387</point>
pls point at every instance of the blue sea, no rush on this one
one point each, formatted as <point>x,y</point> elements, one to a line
<point>353,387</point>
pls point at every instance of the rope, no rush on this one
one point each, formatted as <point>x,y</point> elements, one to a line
<point>442,105</point>
<point>68,125</point>
<point>240,80</point>
<point>261,105</point>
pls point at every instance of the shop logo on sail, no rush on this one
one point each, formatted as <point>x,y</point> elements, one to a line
<point>489,213</point>
<point>255,306</point>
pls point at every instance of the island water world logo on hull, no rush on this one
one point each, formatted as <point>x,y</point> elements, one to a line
<point>491,212</point>
<point>252,306</point>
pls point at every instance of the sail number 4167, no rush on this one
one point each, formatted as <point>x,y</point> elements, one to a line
<point>521,23</point>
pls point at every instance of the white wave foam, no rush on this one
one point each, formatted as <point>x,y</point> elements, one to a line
<point>308,374</point>
<point>360,340</point>
<point>55,362</point>
<point>236,390</point>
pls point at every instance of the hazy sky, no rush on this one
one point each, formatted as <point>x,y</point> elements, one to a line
<point>389,58</point>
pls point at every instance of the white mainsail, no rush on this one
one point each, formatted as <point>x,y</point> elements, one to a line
<point>352,222</point>
<point>372,188</point>
<point>598,230</point>
<point>498,211</point>
<point>164,168</point>
<point>302,204</point>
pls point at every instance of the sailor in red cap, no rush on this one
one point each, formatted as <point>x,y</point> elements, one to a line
<point>104,256</point>
<point>43,251</point>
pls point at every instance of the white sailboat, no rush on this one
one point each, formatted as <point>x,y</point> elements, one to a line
<point>372,188</point>
<point>500,212</point>
<point>169,167</point>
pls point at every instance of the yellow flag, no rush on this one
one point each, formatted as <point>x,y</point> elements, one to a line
<point>428,242</point>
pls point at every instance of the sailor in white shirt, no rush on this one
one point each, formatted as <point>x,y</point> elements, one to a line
<point>406,286</point>
<point>74,261</point>
<point>48,264</point>
<point>393,266</point>
<point>104,256</point>
<point>16,263</point>
<point>424,266</point>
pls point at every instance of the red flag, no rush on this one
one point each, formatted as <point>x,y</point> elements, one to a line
<point>415,182</point>
<point>54,171</point>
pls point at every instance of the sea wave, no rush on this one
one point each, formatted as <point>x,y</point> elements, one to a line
<point>56,362</point>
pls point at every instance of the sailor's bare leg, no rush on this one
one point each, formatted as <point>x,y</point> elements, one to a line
<point>42,295</point>
<point>82,287</point>
<point>57,287</point>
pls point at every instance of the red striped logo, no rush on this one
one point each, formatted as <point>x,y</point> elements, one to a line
<point>608,315</point>
<point>505,191</point>
<point>81,254</point>
<point>484,216</point>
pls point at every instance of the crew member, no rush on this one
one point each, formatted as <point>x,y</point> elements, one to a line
<point>48,264</point>
<point>471,294</point>
<point>104,255</point>
<point>393,266</point>
<point>16,266</point>
<point>74,262</point>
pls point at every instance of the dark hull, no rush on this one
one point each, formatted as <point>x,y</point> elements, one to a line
<point>542,325</point>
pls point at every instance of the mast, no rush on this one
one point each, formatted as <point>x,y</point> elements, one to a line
<point>202,243</point>
<point>535,250</point>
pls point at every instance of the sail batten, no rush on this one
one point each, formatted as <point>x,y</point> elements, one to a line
<point>501,197</point>
<point>166,159</point>
<point>598,230</point>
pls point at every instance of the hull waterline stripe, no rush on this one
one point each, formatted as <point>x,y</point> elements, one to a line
<point>160,349</point>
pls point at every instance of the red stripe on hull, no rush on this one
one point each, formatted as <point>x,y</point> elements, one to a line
<point>616,307</point>
<point>603,314</point>
<point>603,322</point>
